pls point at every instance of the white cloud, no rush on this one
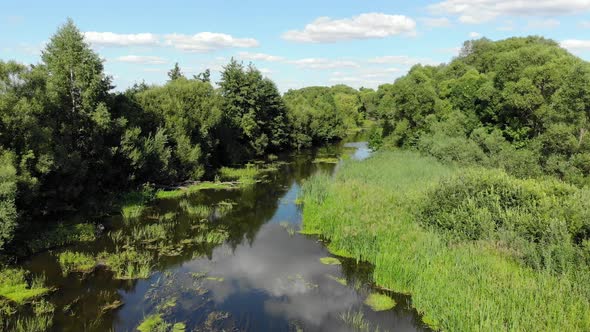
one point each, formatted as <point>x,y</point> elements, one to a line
<point>576,44</point>
<point>142,59</point>
<point>402,60</point>
<point>323,63</point>
<point>259,57</point>
<point>265,71</point>
<point>474,35</point>
<point>116,39</point>
<point>543,24</point>
<point>364,26</point>
<point>207,42</point>
<point>436,22</point>
<point>584,24</point>
<point>478,11</point>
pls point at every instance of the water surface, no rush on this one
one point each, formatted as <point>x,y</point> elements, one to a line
<point>263,277</point>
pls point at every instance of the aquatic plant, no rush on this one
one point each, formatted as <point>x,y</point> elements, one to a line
<point>128,264</point>
<point>355,320</point>
<point>326,160</point>
<point>153,323</point>
<point>223,208</point>
<point>330,261</point>
<point>14,286</point>
<point>76,262</point>
<point>245,176</point>
<point>35,323</point>
<point>199,211</point>
<point>133,203</point>
<point>379,302</point>
<point>341,281</point>
<point>62,234</point>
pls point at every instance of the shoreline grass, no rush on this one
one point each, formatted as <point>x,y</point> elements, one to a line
<point>369,210</point>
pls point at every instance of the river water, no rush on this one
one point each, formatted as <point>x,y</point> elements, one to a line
<point>264,276</point>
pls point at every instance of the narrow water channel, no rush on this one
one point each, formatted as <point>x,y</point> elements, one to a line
<point>263,275</point>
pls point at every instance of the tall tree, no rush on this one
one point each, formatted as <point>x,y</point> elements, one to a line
<point>77,90</point>
<point>175,73</point>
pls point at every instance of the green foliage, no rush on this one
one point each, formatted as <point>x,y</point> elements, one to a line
<point>76,262</point>
<point>128,264</point>
<point>379,302</point>
<point>18,288</point>
<point>373,210</point>
<point>255,116</point>
<point>153,323</point>
<point>544,223</point>
<point>8,212</point>
<point>520,104</point>
<point>321,114</point>
<point>62,234</point>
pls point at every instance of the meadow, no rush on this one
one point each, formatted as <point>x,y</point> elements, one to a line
<point>526,270</point>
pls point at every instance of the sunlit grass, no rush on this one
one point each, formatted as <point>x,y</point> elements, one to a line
<point>16,287</point>
<point>369,212</point>
<point>379,302</point>
<point>76,262</point>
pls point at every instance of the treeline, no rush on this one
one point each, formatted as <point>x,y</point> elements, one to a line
<point>521,104</point>
<point>68,143</point>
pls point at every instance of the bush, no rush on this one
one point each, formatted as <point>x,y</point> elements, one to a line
<point>545,222</point>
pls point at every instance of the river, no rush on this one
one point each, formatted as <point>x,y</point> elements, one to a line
<point>263,276</point>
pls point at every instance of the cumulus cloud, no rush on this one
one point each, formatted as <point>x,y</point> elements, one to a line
<point>576,44</point>
<point>364,26</point>
<point>142,59</point>
<point>436,22</point>
<point>402,60</point>
<point>543,24</point>
<point>323,63</point>
<point>259,57</point>
<point>116,39</point>
<point>474,35</point>
<point>478,11</point>
<point>207,41</point>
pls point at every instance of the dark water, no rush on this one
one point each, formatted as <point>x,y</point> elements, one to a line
<point>263,277</point>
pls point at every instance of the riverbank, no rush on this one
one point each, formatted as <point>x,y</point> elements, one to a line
<point>381,210</point>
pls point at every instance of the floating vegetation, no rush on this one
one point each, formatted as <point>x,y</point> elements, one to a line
<point>217,279</point>
<point>168,216</point>
<point>215,317</point>
<point>153,323</point>
<point>214,236</point>
<point>289,227</point>
<point>355,320</point>
<point>185,191</point>
<point>326,160</point>
<point>15,287</point>
<point>200,211</point>
<point>61,235</point>
<point>168,304</point>
<point>198,275</point>
<point>330,261</point>
<point>128,264</point>
<point>223,208</point>
<point>246,176</point>
<point>341,281</point>
<point>179,327</point>
<point>150,233</point>
<point>70,261</point>
<point>134,203</point>
<point>36,323</point>
<point>116,304</point>
<point>379,302</point>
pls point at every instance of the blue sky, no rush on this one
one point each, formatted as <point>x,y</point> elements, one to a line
<point>303,43</point>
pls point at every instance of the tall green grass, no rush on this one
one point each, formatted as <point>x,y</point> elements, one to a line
<point>370,210</point>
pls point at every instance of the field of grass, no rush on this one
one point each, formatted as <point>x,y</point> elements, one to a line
<point>372,209</point>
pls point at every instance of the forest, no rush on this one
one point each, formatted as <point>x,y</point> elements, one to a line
<point>69,144</point>
<point>478,180</point>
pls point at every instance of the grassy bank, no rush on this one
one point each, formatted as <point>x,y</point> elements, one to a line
<point>383,210</point>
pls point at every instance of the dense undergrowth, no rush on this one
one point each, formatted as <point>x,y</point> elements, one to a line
<point>477,249</point>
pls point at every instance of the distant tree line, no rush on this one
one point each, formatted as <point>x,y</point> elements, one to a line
<point>521,104</point>
<point>68,142</point>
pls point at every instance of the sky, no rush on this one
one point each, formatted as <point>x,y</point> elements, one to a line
<point>361,43</point>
